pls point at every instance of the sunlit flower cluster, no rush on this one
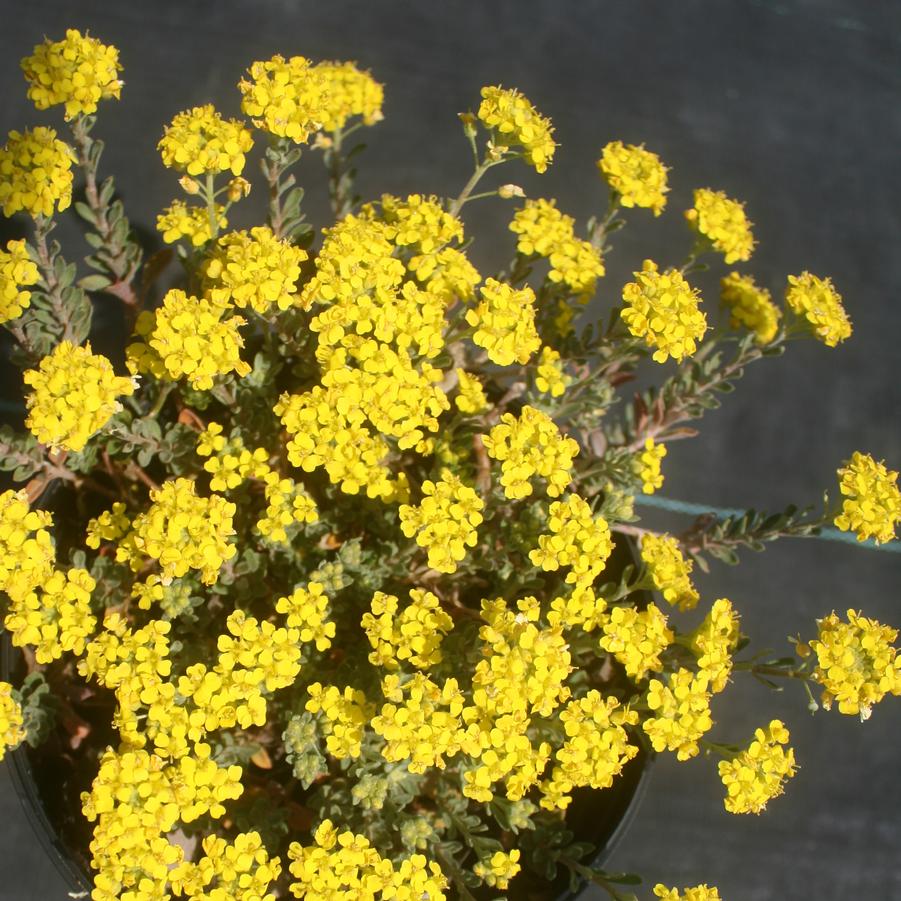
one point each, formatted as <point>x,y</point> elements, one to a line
<point>681,713</point>
<point>200,142</point>
<point>636,175</point>
<point>17,272</point>
<point>817,301</point>
<point>504,323</point>
<point>714,641</point>
<point>12,723</point>
<point>669,570</point>
<point>413,634</point>
<point>516,121</point>
<point>499,869</point>
<point>872,501</point>
<point>27,553</point>
<point>662,308</point>
<point>750,306</point>
<point>647,466</point>
<point>179,220</point>
<point>723,223</point>
<point>77,71</point>
<point>35,173</point>
<point>351,92</point>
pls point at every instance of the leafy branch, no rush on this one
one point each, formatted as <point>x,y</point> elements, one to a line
<point>285,217</point>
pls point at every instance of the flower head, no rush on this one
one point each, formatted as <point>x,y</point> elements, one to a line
<point>722,221</point>
<point>516,121</point>
<point>695,893</point>
<point>504,323</point>
<point>750,306</point>
<point>289,97</point>
<point>662,308</point>
<point>759,772</point>
<point>199,141</point>
<point>78,71</point>
<point>179,221</point>
<point>637,175</point>
<point>820,304</point>
<point>681,713</point>
<point>669,570</point>
<point>17,272</point>
<point>714,641</point>
<point>872,505</point>
<point>35,173</point>
<point>12,723</point>
<point>637,638</point>
<point>74,394</point>
<point>351,92</point>
<point>499,869</point>
<point>647,466</point>
<point>857,664</point>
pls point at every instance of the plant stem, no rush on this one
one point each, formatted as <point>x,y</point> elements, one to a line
<point>211,205</point>
<point>54,289</point>
<point>469,187</point>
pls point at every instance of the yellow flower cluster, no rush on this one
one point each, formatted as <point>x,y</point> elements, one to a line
<point>470,398</point>
<point>232,463</point>
<point>527,446</point>
<point>351,92</point>
<point>758,773</point>
<point>714,641</point>
<point>286,505</point>
<point>344,865</point>
<point>240,871</point>
<point>191,339</point>
<point>872,501</point>
<point>419,222</point>
<point>193,222</point>
<point>448,274</point>
<point>681,713</point>
<point>346,714</point>
<point>414,634</point>
<point>750,306</point>
<point>74,394</point>
<point>636,175</point>
<point>499,869</point>
<point>288,98</point>
<point>504,323</point>
<point>595,750</point>
<point>17,271</point>
<point>580,609</point>
<point>174,598</point>
<point>253,269</point>
<point>547,232</point>
<point>576,539</point>
<point>267,657</point>
<point>35,173</point>
<point>445,522</point>
<point>669,570</point>
<point>647,466</point>
<point>821,305</point>
<point>695,893</point>
<point>550,377</point>
<point>54,617</point>
<point>420,722</point>
<point>722,221</point>
<point>136,800</point>
<point>856,663</point>
<point>26,547</point>
<point>524,668</point>
<point>183,531</point>
<point>662,308</point>
<point>307,611</point>
<point>12,723</point>
<point>78,71</point>
<point>199,141</point>
<point>636,638</point>
<point>515,121</point>
<point>110,525</point>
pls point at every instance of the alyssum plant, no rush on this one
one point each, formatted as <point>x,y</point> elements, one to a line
<point>335,556</point>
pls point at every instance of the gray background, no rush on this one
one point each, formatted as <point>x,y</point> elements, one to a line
<point>794,108</point>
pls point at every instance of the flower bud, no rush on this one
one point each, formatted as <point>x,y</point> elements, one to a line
<point>189,185</point>
<point>508,191</point>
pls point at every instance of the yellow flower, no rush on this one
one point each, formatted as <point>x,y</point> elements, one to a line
<point>821,305</point>
<point>750,306</point>
<point>758,773</point>
<point>447,274</point>
<point>193,341</point>
<point>856,663</point>
<point>576,539</point>
<point>504,323</point>
<point>307,611</point>
<point>695,893</point>
<point>253,268</point>
<point>413,634</point>
<point>26,548</point>
<point>550,377</point>
<point>636,638</point>
<point>663,309</point>
<point>872,504</point>
<point>544,231</point>
<point>445,522</point>
<point>471,396</point>
<point>419,222</point>
<point>74,394</point>
<point>351,92</point>
<point>199,141</point>
<point>346,714</point>
<point>288,98</point>
<point>515,121</point>
<point>669,570</point>
<point>637,175</point>
<point>35,173</point>
<point>714,641</point>
<point>527,446</point>
<point>12,723</point>
<point>681,708</point>
<point>499,869</point>
<point>179,221</point>
<point>78,71</point>
<point>722,221</point>
<point>647,466</point>
<point>17,271</point>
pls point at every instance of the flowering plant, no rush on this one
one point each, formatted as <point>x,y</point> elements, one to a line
<point>333,585</point>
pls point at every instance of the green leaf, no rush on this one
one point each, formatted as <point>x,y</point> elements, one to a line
<point>94,282</point>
